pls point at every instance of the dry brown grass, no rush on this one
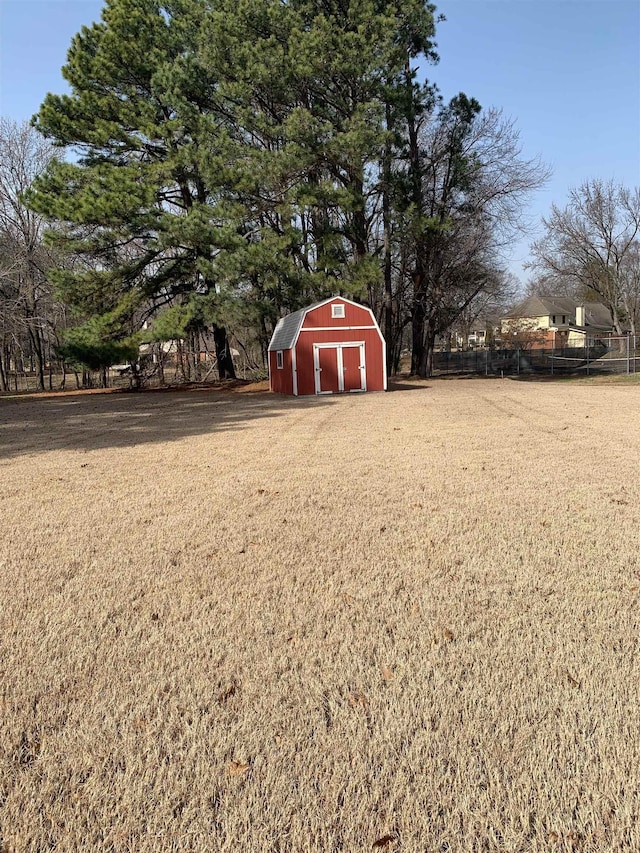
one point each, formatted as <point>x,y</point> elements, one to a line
<point>248,623</point>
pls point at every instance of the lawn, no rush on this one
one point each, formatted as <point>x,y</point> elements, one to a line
<point>403,621</point>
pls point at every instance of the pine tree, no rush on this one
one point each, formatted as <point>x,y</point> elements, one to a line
<point>136,204</point>
<point>225,152</point>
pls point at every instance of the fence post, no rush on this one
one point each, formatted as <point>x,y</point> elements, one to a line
<point>587,342</point>
<point>486,362</point>
<point>628,356</point>
<point>518,361</point>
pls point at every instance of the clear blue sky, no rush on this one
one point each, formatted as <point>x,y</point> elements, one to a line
<point>568,72</point>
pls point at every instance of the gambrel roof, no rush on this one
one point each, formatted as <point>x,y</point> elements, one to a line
<point>288,328</point>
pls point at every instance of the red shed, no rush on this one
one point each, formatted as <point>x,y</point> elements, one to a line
<point>330,347</point>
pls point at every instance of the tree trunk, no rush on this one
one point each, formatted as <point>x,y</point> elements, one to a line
<point>429,351</point>
<point>3,373</point>
<point>226,370</point>
<point>135,381</point>
<point>180,371</point>
<point>422,354</point>
<point>359,223</point>
<point>418,313</point>
<point>418,319</point>
<point>50,363</point>
<point>191,357</point>
<point>195,349</point>
<point>37,351</point>
<point>617,325</point>
<point>160,357</point>
<point>265,337</point>
<point>386,224</point>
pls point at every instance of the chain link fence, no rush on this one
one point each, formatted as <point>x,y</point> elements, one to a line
<point>604,356</point>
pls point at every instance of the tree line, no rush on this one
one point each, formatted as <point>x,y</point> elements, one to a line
<point>216,166</point>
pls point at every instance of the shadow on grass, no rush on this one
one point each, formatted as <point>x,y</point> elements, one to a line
<point>543,377</point>
<point>596,377</point>
<point>409,384</point>
<point>112,420</point>
<point>413,383</point>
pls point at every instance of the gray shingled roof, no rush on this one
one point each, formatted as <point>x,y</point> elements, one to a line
<point>287,330</point>
<point>539,306</point>
<point>598,315</point>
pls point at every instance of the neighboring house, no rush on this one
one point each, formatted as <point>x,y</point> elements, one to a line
<point>593,323</point>
<point>479,333</point>
<point>330,347</point>
<point>544,322</point>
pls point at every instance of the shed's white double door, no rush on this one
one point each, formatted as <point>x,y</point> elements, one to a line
<point>340,367</point>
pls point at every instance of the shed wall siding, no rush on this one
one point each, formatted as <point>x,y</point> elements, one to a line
<point>373,353</point>
<point>281,381</point>
<point>355,315</point>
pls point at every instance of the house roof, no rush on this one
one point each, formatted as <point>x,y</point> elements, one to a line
<point>286,332</point>
<point>597,315</point>
<point>541,306</point>
<point>486,321</point>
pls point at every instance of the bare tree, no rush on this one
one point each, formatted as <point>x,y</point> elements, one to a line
<point>591,246</point>
<point>25,293</point>
<point>489,304</point>
<point>630,285</point>
<point>474,185</point>
<point>545,285</point>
